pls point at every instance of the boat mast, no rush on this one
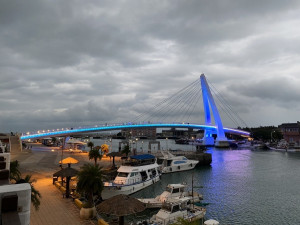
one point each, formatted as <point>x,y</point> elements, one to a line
<point>193,188</point>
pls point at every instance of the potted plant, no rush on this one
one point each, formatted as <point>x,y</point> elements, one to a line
<point>89,182</point>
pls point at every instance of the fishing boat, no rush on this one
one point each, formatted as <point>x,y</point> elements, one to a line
<point>173,191</point>
<point>173,209</point>
<point>170,163</point>
<point>136,174</point>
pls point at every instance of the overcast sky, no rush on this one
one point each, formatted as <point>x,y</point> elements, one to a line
<point>70,63</point>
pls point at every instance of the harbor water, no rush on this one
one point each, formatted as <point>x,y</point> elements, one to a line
<point>242,186</point>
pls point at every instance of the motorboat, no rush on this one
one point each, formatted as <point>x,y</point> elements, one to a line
<point>259,145</point>
<point>173,191</point>
<point>244,144</point>
<point>172,210</point>
<point>283,145</point>
<point>136,174</point>
<point>211,222</point>
<point>170,163</point>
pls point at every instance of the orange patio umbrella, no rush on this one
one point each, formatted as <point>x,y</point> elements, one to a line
<point>68,160</point>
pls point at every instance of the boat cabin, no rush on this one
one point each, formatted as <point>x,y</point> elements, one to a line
<point>140,160</point>
<point>172,191</point>
<point>139,169</point>
<point>173,205</point>
<point>175,188</point>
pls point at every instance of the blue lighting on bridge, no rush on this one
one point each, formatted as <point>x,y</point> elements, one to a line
<point>131,126</point>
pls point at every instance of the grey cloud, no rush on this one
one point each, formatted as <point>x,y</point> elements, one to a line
<point>74,63</point>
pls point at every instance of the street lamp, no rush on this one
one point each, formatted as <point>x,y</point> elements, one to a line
<point>192,143</point>
<point>167,143</point>
<point>136,141</point>
<point>110,146</point>
<point>272,135</point>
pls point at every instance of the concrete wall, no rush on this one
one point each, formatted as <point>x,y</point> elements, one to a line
<point>22,215</point>
<point>15,144</point>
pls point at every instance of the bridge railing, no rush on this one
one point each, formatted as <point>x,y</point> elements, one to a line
<point>99,125</point>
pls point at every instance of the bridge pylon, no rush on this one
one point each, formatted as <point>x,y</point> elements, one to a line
<point>208,102</point>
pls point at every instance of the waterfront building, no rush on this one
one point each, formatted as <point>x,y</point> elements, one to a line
<point>291,132</point>
<point>180,133</point>
<point>140,132</point>
<point>15,199</point>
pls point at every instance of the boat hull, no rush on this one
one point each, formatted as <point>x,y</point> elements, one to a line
<point>178,168</point>
<point>113,190</point>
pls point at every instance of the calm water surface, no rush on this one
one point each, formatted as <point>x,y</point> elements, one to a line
<point>243,186</point>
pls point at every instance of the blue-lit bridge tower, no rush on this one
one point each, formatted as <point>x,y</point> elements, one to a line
<point>208,102</point>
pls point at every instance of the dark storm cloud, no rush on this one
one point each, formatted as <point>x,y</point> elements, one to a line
<point>72,63</point>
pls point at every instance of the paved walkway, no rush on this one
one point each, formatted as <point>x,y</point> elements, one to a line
<point>41,163</point>
<point>54,209</point>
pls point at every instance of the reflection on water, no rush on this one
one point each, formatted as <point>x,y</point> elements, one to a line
<point>243,186</point>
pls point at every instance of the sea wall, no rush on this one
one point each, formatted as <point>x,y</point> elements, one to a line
<point>205,159</point>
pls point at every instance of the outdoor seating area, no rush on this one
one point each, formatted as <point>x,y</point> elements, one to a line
<point>61,185</point>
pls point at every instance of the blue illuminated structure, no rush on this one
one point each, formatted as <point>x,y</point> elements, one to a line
<point>209,129</point>
<point>208,100</point>
<point>130,126</point>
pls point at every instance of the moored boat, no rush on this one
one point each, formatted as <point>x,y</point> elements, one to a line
<point>138,173</point>
<point>170,163</point>
<point>173,191</point>
<point>174,209</point>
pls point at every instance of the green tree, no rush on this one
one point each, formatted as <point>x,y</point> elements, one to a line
<point>35,194</point>
<point>90,181</point>
<point>90,144</point>
<point>95,154</point>
<point>126,150</point>
<point>14,169</point>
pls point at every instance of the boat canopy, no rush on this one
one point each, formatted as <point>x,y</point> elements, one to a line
<point>142,157</point>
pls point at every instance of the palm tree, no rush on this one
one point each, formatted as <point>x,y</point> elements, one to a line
<point>90,181</point>
<point>95,154</point>
<point>35,194</point>
<point>90,144</point>
<point>126,150</point>
<point>14,169</point>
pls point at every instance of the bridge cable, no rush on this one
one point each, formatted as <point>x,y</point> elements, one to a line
<point>171,98</point>
<point>191,104</point>
<point>170,102</point>
<point>227,105</point>
<point>171,107</point>
<point>183,101</point>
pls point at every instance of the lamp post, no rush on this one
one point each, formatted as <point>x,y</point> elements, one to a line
<point>136,141</point>
<point>110,143</point>
<point>272,135</point>
<point>192,143</point>
<point>167,143</point>
<point>110,146</point>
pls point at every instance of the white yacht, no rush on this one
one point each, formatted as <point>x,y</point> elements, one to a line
<point>174,209</point>
<point>170,163</point>
<point>138,173</point>
<point>173,191</point>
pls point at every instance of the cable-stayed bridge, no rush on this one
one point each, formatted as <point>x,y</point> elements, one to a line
<point>183,104</point>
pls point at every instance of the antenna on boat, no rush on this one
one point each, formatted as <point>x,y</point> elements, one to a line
<point>193,189</point>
